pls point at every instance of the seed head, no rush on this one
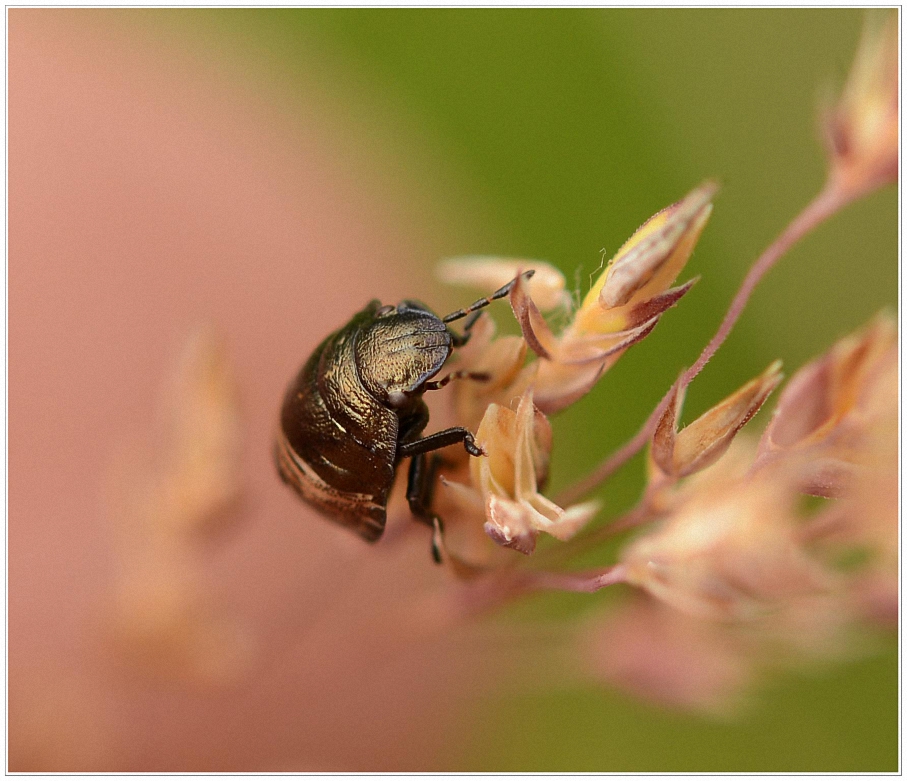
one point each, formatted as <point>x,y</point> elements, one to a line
<point>861,130</point>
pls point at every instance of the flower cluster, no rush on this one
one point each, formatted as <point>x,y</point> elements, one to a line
<point>730,558</point>
<point>748,549</point>
<point>740,568</point>
<point>509,409</point>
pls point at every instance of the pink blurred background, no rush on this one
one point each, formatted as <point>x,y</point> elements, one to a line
<point>150,192</point>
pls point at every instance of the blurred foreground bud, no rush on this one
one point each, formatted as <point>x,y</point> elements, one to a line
<point>862,129</point>
<point>705,440</point>
<point>517,447</point>
<point>622,307</point>
<point>201,480</point>
<point>651,651</point>
<point>164,618</point>
<point>728,549</point>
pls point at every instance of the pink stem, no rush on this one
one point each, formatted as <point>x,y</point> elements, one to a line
<point>582,582</point>
<point>616,460</point>
<point>830,200</point>
<point>823,206</point>
<point>490,593</point>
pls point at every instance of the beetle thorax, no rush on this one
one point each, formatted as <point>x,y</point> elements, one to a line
<point>400,350</point>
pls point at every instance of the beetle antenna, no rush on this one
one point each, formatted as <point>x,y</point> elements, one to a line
<point>483,302</point>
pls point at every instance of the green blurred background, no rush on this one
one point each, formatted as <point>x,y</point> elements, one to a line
<point>553,134</point>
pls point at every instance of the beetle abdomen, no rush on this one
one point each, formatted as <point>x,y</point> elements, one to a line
<point>337,445</point>
<point>364,513</point>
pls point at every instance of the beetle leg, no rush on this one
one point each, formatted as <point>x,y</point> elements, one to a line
<point>457,375</point>
<point>449,436</point>
<point>437,539</point>
<point>420,488</point>
<point>414,422</point>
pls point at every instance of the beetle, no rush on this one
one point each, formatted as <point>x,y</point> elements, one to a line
<point>355,411</point>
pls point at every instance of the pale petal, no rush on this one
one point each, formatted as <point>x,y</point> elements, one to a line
<point>526,452</point>
<point>572,520</point>
<point>487,272</point>
<point>494,472</point>
<point>507,525</point>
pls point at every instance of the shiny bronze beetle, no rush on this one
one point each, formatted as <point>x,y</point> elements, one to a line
<point>355,411</point>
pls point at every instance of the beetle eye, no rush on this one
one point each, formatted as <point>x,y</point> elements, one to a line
<point>385,310</point>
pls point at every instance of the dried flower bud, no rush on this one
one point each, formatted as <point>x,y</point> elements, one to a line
<point>508,479</point>
<point>487,272</point>
<point>707,438</point>
<point>862,129</point>
<point>825,409</point>
<point>646,265</point>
